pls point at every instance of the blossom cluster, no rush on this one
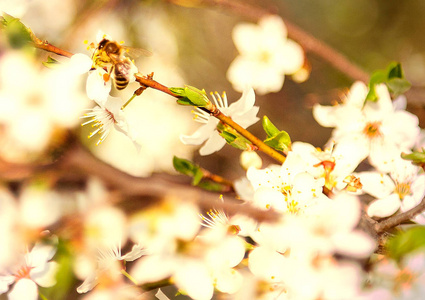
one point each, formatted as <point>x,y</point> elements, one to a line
<point>313,249</point>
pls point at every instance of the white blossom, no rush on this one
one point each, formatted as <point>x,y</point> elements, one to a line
<point>242,112</point>
<point>266,55</point>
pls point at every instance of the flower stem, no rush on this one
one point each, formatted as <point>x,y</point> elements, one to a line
<point>400,218</point>
<point>125,273</point>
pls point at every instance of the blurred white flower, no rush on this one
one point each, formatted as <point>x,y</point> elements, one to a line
<point>266,55</point>
<point>403,188</point>
<point>35,105</point>
<point>110,263</point>
<point>380,130</point>
<point>242,112</point>
<point>403,281</point>
<point>35,270</point>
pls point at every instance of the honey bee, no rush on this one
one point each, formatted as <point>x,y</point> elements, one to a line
<point>111,53</point>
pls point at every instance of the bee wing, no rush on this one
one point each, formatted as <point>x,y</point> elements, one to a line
<point>133,52</point>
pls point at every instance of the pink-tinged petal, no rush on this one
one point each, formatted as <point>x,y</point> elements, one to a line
<point>5,281</point>
<point>40,254</point>
<point>45,276</point>
<point>384,207</point>
<point>376,184</point>
<point>214,143</point>
<point>400,103</point>
<point>24,289</point>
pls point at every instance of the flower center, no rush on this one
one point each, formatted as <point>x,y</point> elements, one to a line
<point>404,279</point>
<point>265,56</point>
<point>372,130</point>
<point>403,189</point>
<point>23,272</point>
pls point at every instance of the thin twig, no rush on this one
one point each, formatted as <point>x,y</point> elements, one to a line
<point>215,112</point>
<point>400,218</point>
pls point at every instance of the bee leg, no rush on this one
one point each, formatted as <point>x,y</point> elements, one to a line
<point>137,92</point>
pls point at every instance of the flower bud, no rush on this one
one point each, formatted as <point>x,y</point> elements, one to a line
<point>250,159</point>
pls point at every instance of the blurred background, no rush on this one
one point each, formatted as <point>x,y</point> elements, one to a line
<point>192,44</point>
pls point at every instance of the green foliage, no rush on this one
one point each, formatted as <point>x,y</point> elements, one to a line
<point>51,62</point>
<point>17,33</point>
<point>417,158</point>
<point>235,140</point>
<point>191,169</point>
<point>65,279</point>
<point>406,242</point>
<point>393,77</point>
<point>191,96</point>
<point>188,168</point>
<point>277,139</point>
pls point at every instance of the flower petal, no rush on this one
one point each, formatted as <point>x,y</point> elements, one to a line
<point>384,207</point>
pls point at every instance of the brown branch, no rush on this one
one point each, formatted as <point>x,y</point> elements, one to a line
<point>147,81</point>
<point>400,218</point>
<point>227,184</point>
<point>79,159</point>
<point>46,46</point>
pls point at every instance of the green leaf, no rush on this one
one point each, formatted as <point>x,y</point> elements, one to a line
<point>17,33</point>
<point>280,142</point>
<point>178,91</point>
<point>415,157</point>
<point>211,186</point>
<point>406,242</point>
<point>188,168</point>
<point>191,96</point>
<point>235,140</point>
<point>393,77</point>
<point>269,127</point>
<point>398,85</point>
<point>65,279</point>
<point>196,96</point>
<point>51,63</point>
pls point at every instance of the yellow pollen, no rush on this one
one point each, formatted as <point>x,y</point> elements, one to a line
<point>403,190</point>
